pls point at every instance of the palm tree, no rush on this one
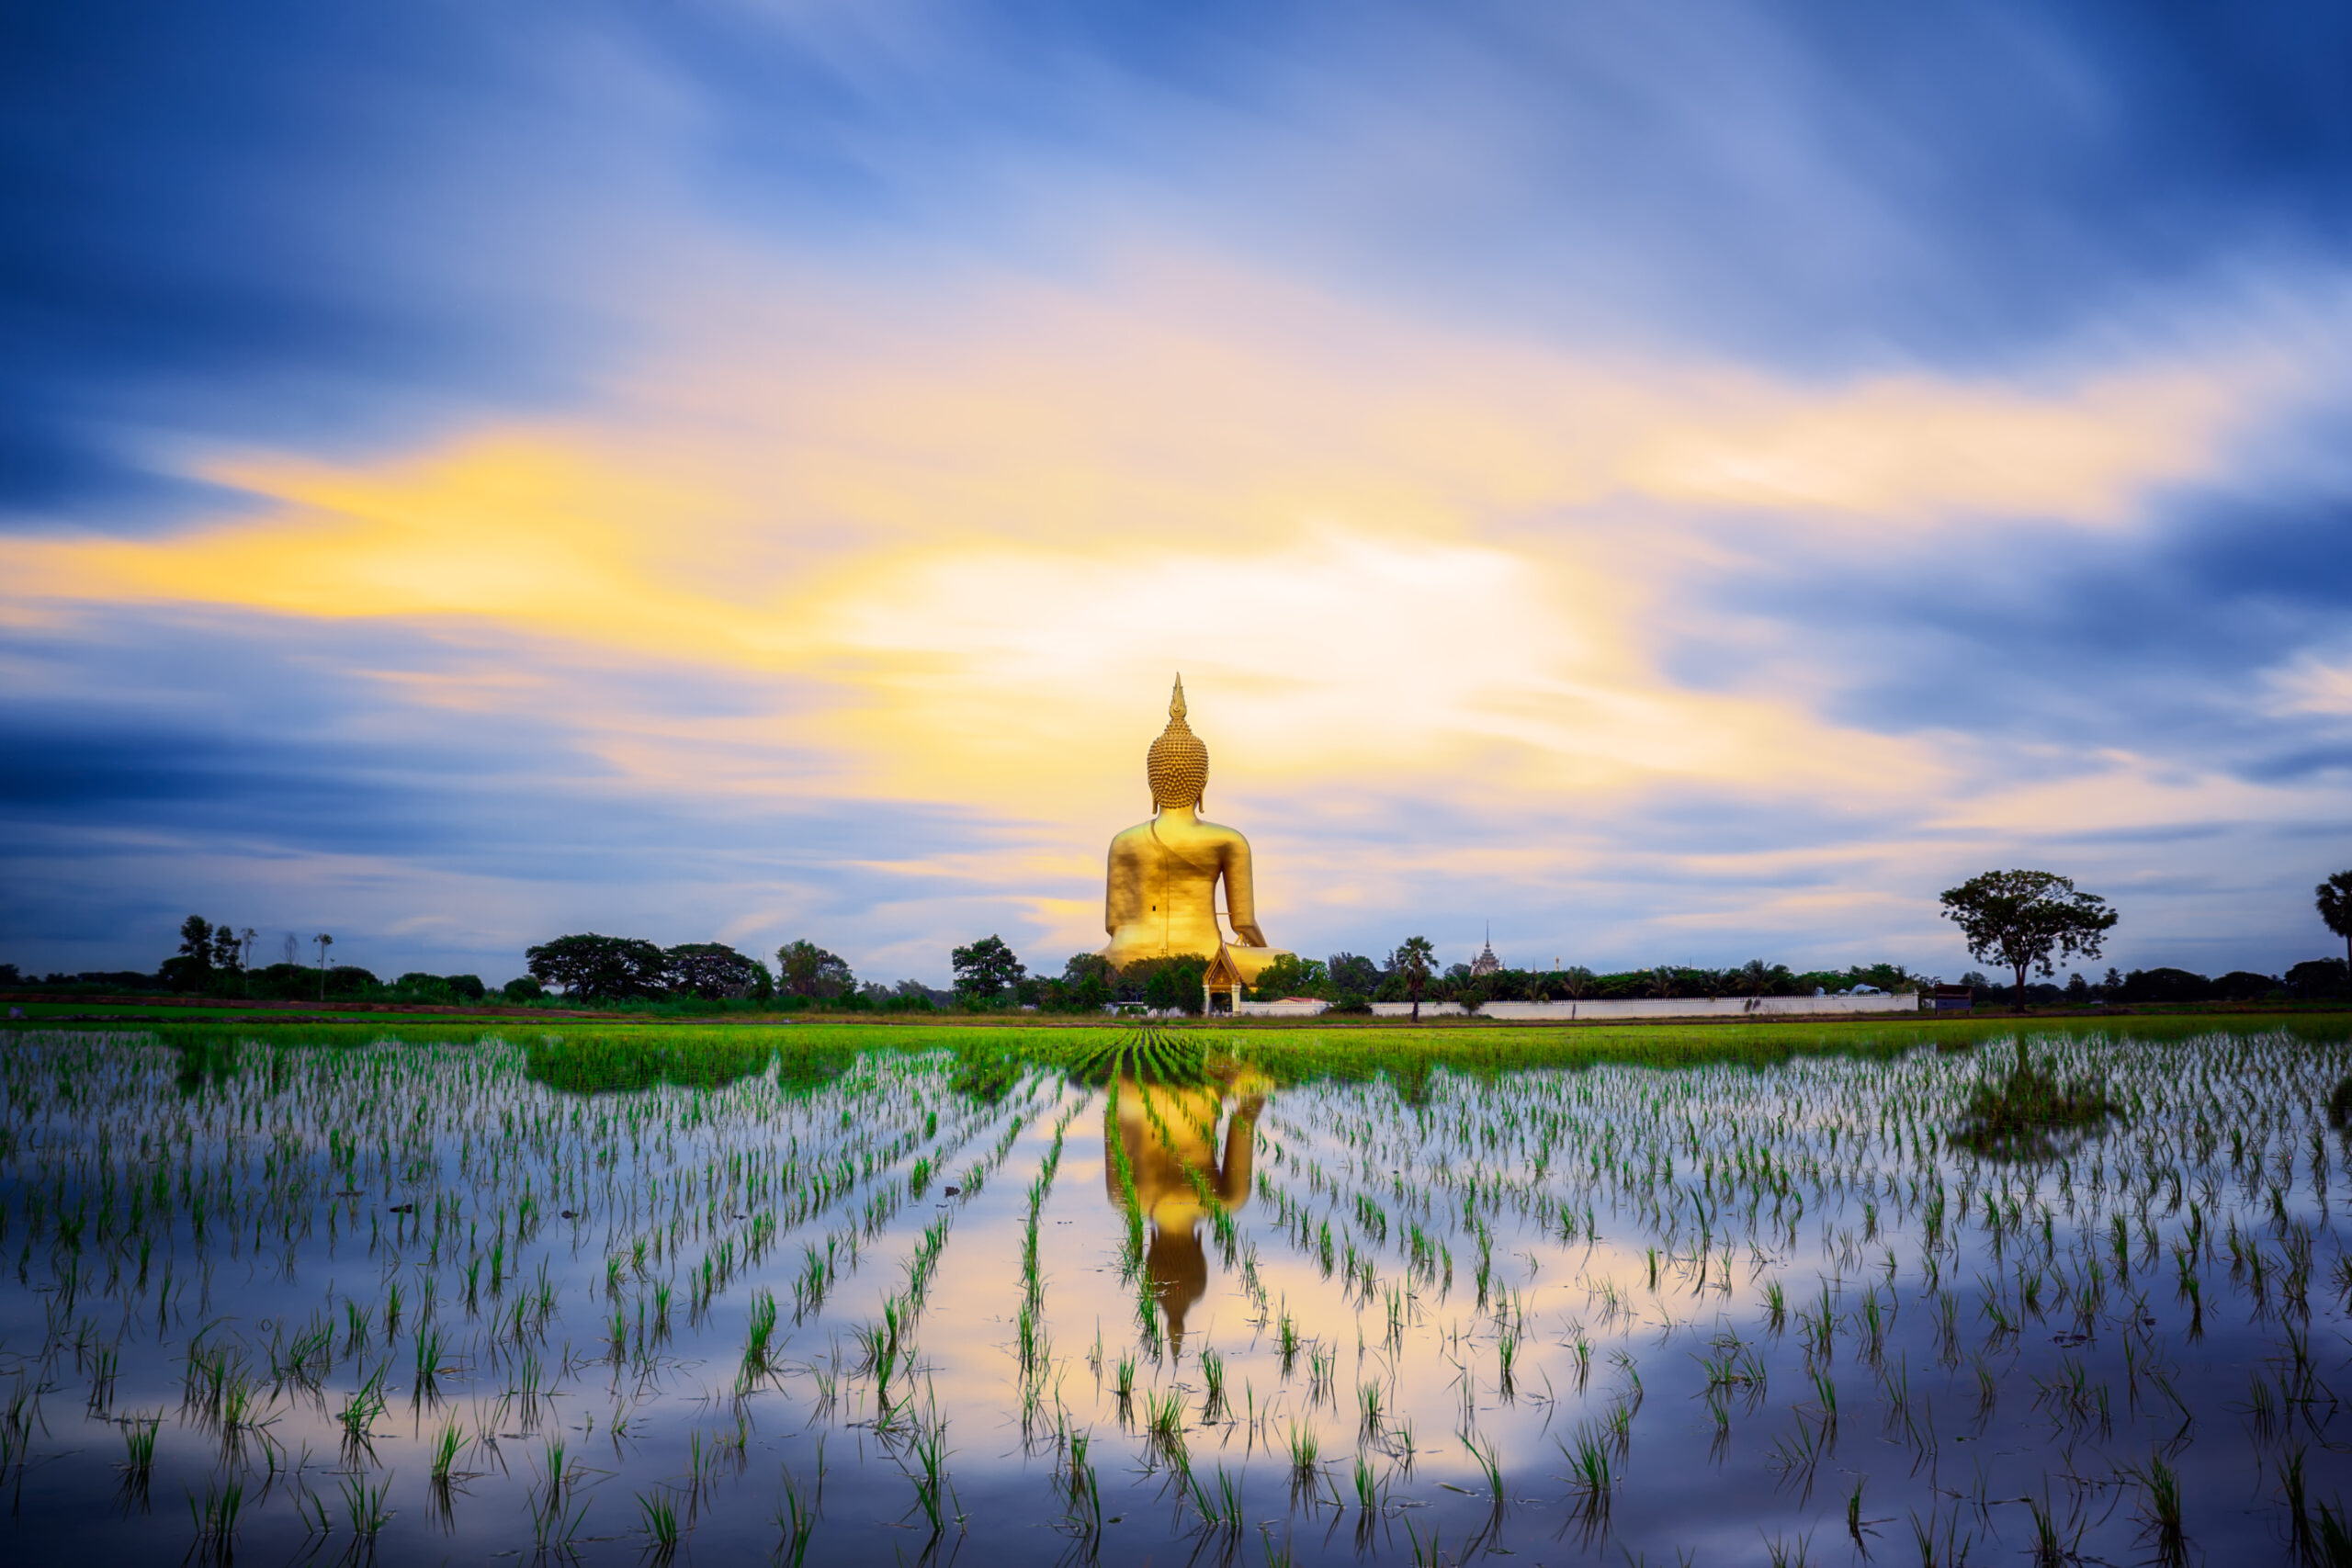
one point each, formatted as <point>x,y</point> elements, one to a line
<point>324,942</point>
<point>1412,961</point>
<point>2336,908</point>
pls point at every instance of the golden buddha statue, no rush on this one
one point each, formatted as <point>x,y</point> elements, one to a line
<point>1164,1129</point>
<point>1160,897</point>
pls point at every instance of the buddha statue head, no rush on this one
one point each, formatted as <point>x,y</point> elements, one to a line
<point>1178,764</point>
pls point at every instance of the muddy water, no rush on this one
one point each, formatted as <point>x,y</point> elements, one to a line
<point>1706,1314</point>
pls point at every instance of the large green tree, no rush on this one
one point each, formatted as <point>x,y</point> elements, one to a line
<point>1351,974</point>
<point>713,969</point>
<point>2026,920</point>
<point>1086,982</point>
<point>209,955</point>
<point>803,969</point>
<point>2334,898</point>
<point>190,969</point>
<point>986,969</point>
<point>1291,976</point>
<point>599,968</point>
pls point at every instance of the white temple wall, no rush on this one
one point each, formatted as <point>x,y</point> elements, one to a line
<point>1628,1007</point>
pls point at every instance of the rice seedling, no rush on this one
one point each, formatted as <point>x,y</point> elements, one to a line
<point>447,1444</point>
<point>1490,1465</point>
<point>796,1523</point>
<point>2333,1534</point>
<point>431,1348</point>
<point>139,1445</point>
<point>1220,1509</point>
<point>2160,1503</point>
<point>1212,1405</point>
<point>1163,1418</point>
<point>929,1447</point>
<point>216,1516</point>
<point>1305,1446</point>
<point>364,1507</point>
<point>361,1410</point>
<point>658,1517</point>
<point>1083,1486</point>
<point>556,1512</point>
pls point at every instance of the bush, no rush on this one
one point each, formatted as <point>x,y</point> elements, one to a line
<point>1163,984</point>
<point>2320,977</point>
<point>523,988</point>
<point>2244,986</point>
<point>1175,985</point>
<point>282,982</point>
<point>2166,986</point>
<point>350,981</point>
<point>418,986</point>
<point>102,980</point>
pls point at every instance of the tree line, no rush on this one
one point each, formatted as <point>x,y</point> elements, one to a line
<point>589,967</point>
<point>988,973</point>
<point>218,961</point>
<point>2025,921</point>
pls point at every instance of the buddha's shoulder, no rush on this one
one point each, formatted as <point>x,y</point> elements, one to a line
<point>1149,838</point>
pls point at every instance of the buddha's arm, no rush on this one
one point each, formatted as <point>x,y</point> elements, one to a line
<point>1240,1148</point>
<point>1122,898</point>
<point>1240,895</point>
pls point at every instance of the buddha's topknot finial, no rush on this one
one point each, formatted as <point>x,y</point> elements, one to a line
<point>1178,764</point>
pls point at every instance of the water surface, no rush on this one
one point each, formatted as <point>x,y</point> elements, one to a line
<point>468,1300</point>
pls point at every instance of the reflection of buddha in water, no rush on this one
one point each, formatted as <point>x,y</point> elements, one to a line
<point>1164,1129</point>
<point>1160,894</point>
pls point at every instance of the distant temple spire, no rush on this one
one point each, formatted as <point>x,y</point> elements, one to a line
<point>1485,963</point>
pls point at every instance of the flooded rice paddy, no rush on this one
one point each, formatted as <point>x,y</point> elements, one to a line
<point>1136,1298</point>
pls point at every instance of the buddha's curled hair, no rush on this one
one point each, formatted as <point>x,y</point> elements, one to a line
<point>1178,764</point>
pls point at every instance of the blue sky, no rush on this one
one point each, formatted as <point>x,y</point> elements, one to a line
<point>1680,484</point>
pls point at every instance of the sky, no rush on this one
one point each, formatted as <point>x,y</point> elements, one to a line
<point>1669,484</point>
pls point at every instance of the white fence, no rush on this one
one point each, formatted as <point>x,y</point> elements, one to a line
<point>1627,1007</point>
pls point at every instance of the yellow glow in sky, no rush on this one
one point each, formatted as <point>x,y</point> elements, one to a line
<point>977,538</point>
